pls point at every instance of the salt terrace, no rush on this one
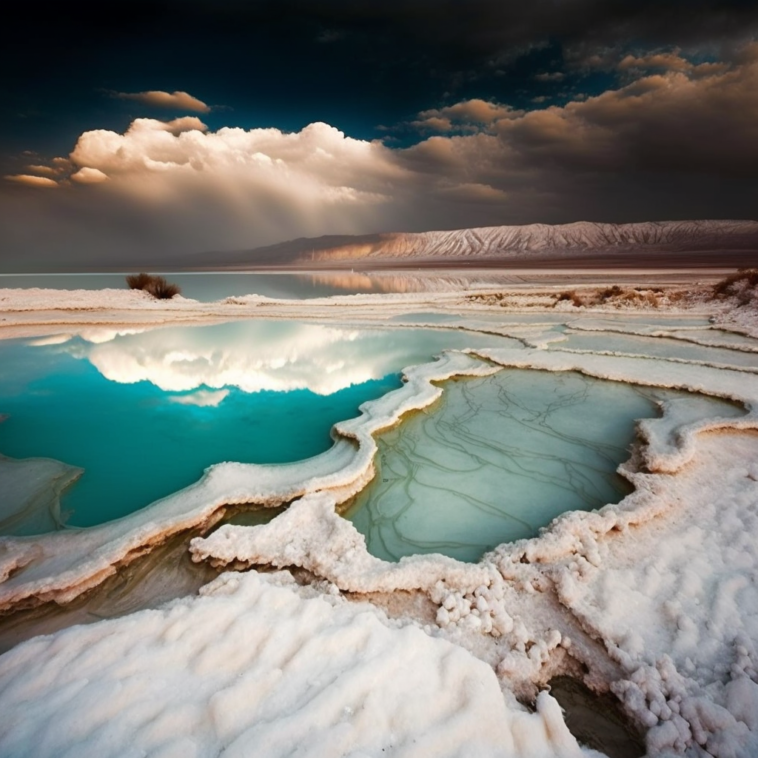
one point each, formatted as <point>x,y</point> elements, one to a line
<point>566,485</point>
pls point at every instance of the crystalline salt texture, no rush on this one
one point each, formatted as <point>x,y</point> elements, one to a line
<point>259,667</point>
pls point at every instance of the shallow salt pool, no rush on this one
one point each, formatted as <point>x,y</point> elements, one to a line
<point>498,458</point>
<point>661,347</point>
<point>144,413</point>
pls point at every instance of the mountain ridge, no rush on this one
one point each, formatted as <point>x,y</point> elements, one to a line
<point>503,244</point>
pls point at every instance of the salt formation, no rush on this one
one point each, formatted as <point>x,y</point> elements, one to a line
<point>47,568</point>
<point>508,617</point>
<point>652,598</point>
<point>676,601</point>
<point>258,666</point>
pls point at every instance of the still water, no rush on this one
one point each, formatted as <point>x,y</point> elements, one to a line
<point>144,413</point>
<point>496,459</point>
<point>206,287</point>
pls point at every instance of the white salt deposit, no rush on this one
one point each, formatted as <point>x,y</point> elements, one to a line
<point>653,599</point>
<point>676,603</point>
<point>258,666</point>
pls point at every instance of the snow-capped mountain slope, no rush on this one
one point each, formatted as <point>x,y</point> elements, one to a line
<point>508,243</point>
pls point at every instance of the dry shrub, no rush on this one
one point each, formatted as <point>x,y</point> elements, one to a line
<point>609,293</point>
<point>617,296</point>
<point>161,289</point>
<point>156,286</point>
<point>571,295</point>
<point>138,281</point>
<point>641,297</point>
<point>742,285</point>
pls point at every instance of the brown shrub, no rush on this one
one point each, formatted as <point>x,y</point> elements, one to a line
<point>607,294</point>
<point>741,284</point>
<point>156,286</point>
<point>138,281</point>
<point>572,296</point>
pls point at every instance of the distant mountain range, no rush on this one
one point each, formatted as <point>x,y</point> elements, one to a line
<point>659,243</point>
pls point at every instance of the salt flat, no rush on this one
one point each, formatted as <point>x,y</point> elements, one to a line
<point>651,598</point>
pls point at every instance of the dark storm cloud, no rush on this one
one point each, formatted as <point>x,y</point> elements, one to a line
<point>497,112</point>
<point>345,42</point>
<point>451,36</point>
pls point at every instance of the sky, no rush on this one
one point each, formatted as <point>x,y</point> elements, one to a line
<point>145,131</point>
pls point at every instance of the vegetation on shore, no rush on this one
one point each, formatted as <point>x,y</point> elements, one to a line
<point>156,286</point>
<point>743,285</point>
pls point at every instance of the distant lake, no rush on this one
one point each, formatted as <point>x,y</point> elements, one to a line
<point>209,286</point>
<point>205,287</point>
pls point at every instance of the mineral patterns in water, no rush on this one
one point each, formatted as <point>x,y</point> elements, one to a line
<point>496,459</point>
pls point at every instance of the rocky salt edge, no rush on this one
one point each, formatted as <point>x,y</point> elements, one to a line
<point>593,596</point>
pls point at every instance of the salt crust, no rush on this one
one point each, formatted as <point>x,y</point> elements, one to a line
<point>53,568</point>
<point>34,311</point>
<point>677,628</point>
<point>523,637</point>
<point>676,600</point>
<point>258,666</point>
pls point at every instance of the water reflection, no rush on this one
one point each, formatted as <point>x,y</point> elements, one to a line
<point>145,413</point>
<point>278,356</point>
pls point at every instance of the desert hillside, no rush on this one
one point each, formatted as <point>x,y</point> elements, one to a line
<point>661,242</point>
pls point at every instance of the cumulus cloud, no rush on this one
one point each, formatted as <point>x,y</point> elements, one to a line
<point>279,356</point>
<point>681,118</point>
<point>177,100</point>
<point>670,61</point>
<point>89,175</point>
<point>318,165</point>
<point>176,187</point>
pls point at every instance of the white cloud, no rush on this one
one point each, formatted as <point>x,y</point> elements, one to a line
<point>88,175</point>
<point>249,185</point>
<point>252,357</point>
<point>281,358</point>
<point>55,339</point>
<point>156,98</point>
